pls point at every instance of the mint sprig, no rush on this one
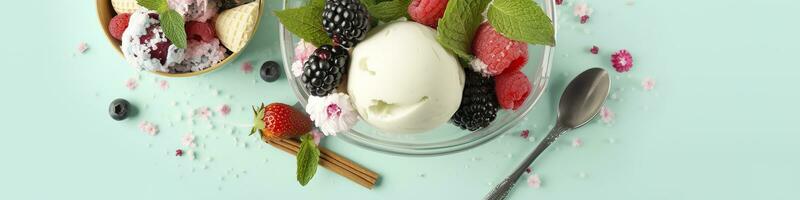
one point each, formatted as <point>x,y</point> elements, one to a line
<point>171,21</point>
<point>521,20</point>
<point>306,23</point>
<point>307,159</point>
<point>387,11</point>
<point>457,26</point>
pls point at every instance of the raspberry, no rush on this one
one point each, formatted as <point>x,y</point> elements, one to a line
<point>622,61</point>
<point>512,88</point>
<point>118,24</point>
<point>200,31</point>
<point>496,52</point>
<point>427,12</point>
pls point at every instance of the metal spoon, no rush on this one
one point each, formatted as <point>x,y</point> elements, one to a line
<point>579,103</point>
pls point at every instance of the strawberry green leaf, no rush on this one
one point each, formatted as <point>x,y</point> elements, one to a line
<point>307,159</point>
<point>457,26</point>
<point>522,20</point>
<point>172,23</point>
<point>306,23</point>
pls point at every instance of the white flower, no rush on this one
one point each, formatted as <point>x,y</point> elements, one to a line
<point>333,113</point>
<point>582,9</point>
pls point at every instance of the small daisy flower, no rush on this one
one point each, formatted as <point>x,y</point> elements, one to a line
<point>188,140</point>
<point>606,115</point>
<point>622,61</point>
<point>247,67</point>
<point>582,9</point>
<point>203,112</point>
<point>648,83</point>
<point>333,113</point>
<point>131,84</point>
<point>149,128</point>
<point>82,47</point>
<point>224,110</point>
<point>163,84</point>
<point>577,142</point>
<point>534,181</point>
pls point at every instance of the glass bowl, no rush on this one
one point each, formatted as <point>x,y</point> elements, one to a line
<point>447,138</point>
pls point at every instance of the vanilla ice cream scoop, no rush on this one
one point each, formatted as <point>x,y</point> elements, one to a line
<point>402,81</point>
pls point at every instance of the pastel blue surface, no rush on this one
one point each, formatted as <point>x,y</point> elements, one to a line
<point>720,123</point>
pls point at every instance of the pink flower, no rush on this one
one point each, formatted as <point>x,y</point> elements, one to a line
<point>317,135</point>
<point>188,140</point>
<point>525,134</point>
<point>648,84</point>
<point>622,61</point>
<point>203,112</point>
<point>333,113</point>
<point>224,110</point>
<point>577,142</point>
<point>163,84</point>
<point>82,47</point>
<point>149,128</point>
<point>303,50</point>
<point>247,67</point>
<point>606,115</point>
<point>534,181</point>
<point>131,84</point>
<point>581,9</point>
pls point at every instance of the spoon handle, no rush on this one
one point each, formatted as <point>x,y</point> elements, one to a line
<point>501,191</point>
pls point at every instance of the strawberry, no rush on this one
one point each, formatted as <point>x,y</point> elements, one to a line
<point>278,120</point>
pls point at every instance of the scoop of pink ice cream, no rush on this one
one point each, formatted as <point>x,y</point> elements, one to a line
<point>201,55</point>
<point>195,10</point>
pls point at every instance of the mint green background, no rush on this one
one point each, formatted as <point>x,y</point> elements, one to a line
<point>720,123</point>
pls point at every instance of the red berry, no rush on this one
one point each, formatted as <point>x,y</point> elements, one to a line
<point>496,52</point>
<point>559,2</point>
<point>200,31</point>
<point>512,88</point>
<point>594,49</point>
<point>179,152</point>
<point>118,24</point>
<point>622,61</point>
<point>427,12</point>
<point>584,19</point>
<point>282,121</point>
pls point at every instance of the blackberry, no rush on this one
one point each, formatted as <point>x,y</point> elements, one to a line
<point>479,104</point>
<point>324,69</point>
<point>345,21</point>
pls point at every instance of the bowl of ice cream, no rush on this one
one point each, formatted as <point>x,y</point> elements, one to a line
<point>217,31</point>
<point>407,89</point>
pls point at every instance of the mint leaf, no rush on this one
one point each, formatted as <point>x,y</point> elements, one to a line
<point>522,20</point>
<point>306,23</point>
<point>172,23</point>
<point>457,26</point>
<point>389,10</point>
<point>154,5</point>
<point>307,159</point>
<point>318,3</point>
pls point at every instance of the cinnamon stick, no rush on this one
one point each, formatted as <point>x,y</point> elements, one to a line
<point>331,161</point>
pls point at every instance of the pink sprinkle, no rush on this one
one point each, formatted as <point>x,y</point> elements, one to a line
<point>334,110</point>
<point>149,128</point>
<point>534,181</point>
<point>82,47</point>
<point>317,135</point>
<point>163,84</point>
<point>203,112</point>
<point>224,110</point>
<point>178,152</point>
<point>606,115</point>
<point>525,134</point>
<point>622,61</point>
<point>247,67</point>
<point>188,140</point>
<point>559,2</point>
<point>131,84</point>
<point>577,142</point>
<point>594,49</point>
<point>648,83</point>
<point>584,19</point>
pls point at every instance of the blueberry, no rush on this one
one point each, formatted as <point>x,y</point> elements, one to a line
<point>270,71</point>
<point>119,109</point>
